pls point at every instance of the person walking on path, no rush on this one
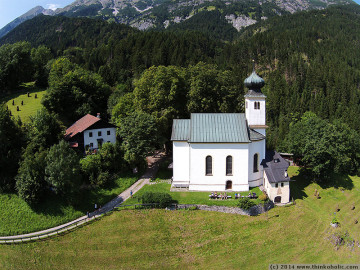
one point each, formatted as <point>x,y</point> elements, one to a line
<point>131,193</point>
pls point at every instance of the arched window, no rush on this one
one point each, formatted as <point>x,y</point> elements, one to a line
<point>229,165</point>
<point>208,165</point>
<point>256,161</point>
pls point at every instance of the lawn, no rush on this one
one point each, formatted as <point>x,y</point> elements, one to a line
<point>184,239</point>
<point>30,104</point>
<point>189,197</point>
<point>18,217</point>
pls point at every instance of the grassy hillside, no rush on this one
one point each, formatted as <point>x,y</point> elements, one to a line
<point>30,104</point>
<point>205,240</point>
<point>18,217</point>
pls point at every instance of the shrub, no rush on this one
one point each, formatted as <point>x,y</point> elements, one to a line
<point>245,203</point>
<point>103,178</point>
<point>263,197</point>
<point>162,199</point>
<point>335,221</point>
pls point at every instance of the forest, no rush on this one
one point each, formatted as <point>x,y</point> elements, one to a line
<point>142,80</point>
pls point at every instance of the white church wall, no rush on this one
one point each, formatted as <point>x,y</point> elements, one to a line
<point>255,116</point>
<point>217,181</point>
<point>92,136</point>
<point>256,178</point>
<point>180,162</point>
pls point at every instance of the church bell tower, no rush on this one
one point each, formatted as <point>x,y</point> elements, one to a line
<point>255,105</point>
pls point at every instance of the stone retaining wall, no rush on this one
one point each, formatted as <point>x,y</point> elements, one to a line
<point>253,211</point>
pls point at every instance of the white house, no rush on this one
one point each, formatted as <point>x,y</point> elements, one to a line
<point>90,131</point>
<point>225,151</point>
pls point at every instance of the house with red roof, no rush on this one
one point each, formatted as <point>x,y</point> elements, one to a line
<point>90,132</point>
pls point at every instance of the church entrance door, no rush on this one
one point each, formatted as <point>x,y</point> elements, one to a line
<point>228,184</point>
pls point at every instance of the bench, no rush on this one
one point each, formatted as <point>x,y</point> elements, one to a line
<point>218,197</point>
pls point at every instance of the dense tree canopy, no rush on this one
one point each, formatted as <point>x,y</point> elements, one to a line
<point>322,146</point>
<point>30,181</point>
<point>62,171</point>
<point>44,129</point>
<point>11,138</point>
<point>74,91</point>
<point>140,137</point>
<point>15,64</point>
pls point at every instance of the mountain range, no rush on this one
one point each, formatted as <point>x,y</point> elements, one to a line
<point>28,15</point>
<point>161,14</point>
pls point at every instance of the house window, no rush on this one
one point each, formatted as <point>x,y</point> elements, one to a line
<point>91,145</point>
<point>99,133</point>
<point>256,161</point>
<point>208,165</point>
<point>229,165</point>
<point>90,134</point>
<point>276,185</point>
<point>257,105</point>
<point>282,184</point>
<point>108,132</point>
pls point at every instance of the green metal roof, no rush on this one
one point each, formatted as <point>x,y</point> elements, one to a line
<point>180,130</point>
<point>218,128</point>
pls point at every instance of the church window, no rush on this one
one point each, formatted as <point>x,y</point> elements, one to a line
<point>208,165</point>
<point>256,161</point>
<point>229,165</point>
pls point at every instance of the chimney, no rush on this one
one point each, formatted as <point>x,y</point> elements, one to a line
<point>98,115</point>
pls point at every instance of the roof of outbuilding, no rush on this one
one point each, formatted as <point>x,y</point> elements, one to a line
<point>275,167</point>
<point>255,136</point>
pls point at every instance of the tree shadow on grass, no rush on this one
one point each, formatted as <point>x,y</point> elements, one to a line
<point>299,183</point>
<point>337,181</point>
<point>305,178</point>
<point>52,205</point>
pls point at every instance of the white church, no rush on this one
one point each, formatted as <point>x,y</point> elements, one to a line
<point>227,151</point>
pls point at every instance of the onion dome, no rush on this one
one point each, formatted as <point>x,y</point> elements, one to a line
<point>254,82</point>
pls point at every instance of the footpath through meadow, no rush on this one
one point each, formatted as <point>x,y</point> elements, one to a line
<point>153,166</point>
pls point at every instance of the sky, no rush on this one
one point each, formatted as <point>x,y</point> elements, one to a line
<point>10,10</point>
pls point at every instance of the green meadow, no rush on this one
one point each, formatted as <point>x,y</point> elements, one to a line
<point>185,239</point>
<point>17,217</point>
<point>30,104</point>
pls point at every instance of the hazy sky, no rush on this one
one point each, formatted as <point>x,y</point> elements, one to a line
<point>11,9</point>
